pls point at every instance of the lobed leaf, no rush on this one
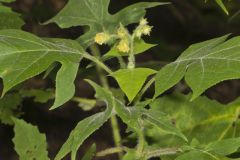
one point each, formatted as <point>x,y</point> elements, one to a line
<point>23,55</point>
<point>94,13</point>
<point>202,65</point>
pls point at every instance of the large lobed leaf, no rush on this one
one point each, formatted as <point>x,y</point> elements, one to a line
<point>94,13</point>
<point>23,55</point>
<point>202,65</point>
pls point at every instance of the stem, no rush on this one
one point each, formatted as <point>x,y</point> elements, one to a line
<point>121,62</point>
<point>141,141</point>
<point>98,62</point>
<point>116,134</point>
<point>131,58</point>
<point>111,151</point>
<point>162,152</point>
<point>115,128</point>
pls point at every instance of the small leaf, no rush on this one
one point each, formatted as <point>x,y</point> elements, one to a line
<point>40,96</point>
<point>29,143</point>
<point>87,126</point>
<point>130,155</point>
<point>221,4</point>
<point>132,80</point>
<point>196,155</point>
<point>224,147</point>
<point>8,18</point>
<point>84,103</point>
<point>94,13</point>
<point>90,153</point>
<point>139,47</point>
<point>8,106</point>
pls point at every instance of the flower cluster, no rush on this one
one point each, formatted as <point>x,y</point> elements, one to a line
<point>143,28</point>
<point>123,35</point>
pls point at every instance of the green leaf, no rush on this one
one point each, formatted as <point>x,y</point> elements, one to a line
<point>224,147</point>
<point>7,1</point>
<point>84,103</point>
<point>133,115</point>
<point>94,13</point>
<point>139,47</point>
<point>221,4</point>
<point>28,142</point>
<point>40,96</point>
<point>89,125</point>
<point>8,18</point>
<point>23,55</point>
<point>203,65</point>
<point>203,119</point>
<point>196,155</point>
<point>8,107</point>
<point>90,153</point>
<point>132,80</point>
<point>129,156</point>
<point>162,121</point>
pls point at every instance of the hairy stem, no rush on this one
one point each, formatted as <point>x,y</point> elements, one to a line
<point>98,62</point>
<point>141,141</point>
<point>110,151</point>
<point>162,152</point>
<point>116,134</point>
<point>131,58</point>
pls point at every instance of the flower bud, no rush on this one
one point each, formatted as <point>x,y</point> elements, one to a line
<point>146,30</point>
<point>122,32</point>
<point>143,21</point>
<point>101,38</point>
<point>123,46</point>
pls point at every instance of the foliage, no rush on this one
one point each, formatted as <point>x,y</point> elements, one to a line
<point>176,126</point>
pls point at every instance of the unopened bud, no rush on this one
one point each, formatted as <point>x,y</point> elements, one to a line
<point>143,21</point>
<point>146,30</point>
<point>101,38</point>
<point>123,46</point>
<point>122,32</point>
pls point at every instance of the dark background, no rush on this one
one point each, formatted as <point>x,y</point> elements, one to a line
<point>176,26</point>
